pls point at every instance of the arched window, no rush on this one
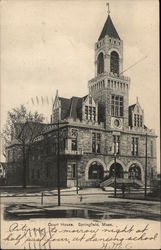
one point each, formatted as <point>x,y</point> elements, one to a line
<point>119,171</point>
<point>134,172</point>
<point>96,171</point>
<point>114,62</point>
<point>100,64</point>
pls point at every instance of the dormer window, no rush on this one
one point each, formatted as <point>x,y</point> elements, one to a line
<point>90,109</point>
<point>86,112</point>
<point>90,113</point>
<point>138,120</point>
<point>94,113</point>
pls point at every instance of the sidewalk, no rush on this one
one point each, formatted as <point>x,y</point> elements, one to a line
<point>51,192</point>
<point>72,192</point>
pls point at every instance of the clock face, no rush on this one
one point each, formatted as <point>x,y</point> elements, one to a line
<point>117,123</point>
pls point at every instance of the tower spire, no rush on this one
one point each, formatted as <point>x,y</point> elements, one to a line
<point>108,8</point>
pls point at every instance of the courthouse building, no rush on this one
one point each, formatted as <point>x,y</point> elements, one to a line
<point>91,130</point>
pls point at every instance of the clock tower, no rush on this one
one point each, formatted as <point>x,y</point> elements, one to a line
<point>109,87</point>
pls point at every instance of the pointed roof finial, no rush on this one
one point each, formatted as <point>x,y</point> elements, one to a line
<point>108,8</point>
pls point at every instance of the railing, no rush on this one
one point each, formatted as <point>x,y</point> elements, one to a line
<point>107,182</point>
<point>130,182</point>
<point>109,74</point>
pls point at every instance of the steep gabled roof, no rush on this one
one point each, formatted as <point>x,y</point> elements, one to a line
<point>70,107</point>
<point>109,29</point>
<point>65,106</point>
<point>131,107</point>
<point>65,102</point>
<point>74,105</point>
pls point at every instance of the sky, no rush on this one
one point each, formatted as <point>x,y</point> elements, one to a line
<point>49,44</point>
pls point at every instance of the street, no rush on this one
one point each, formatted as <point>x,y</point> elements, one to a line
<point>89,199</point>
<point>84,220</point>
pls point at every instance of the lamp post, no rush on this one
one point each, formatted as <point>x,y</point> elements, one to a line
<point>115,167</point>
<point>76,177</point>
<point>58,166</point>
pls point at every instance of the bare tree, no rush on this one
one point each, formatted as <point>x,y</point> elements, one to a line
<point>22,128</point>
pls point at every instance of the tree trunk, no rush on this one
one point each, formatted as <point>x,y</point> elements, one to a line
<point>27,165</point>
<point>24,166</point>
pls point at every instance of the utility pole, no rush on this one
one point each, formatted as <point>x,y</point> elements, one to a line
<point>58,166</point>
<point>146,146</point>
<point>77,177</point>
<point>115,166</point>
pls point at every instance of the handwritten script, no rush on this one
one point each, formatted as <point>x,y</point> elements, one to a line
<point>78,234</point>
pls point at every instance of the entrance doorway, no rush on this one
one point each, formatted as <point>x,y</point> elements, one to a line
<point>134,172</point>
<point>119,170</point>
<point>95,171</point>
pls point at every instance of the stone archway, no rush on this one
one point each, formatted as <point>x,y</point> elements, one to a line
<point>134,172</point>
<point>138,170</point>
<point>119,170</point>
<point>96,171</point>
<point>117,161</point>
<point>95,167</point>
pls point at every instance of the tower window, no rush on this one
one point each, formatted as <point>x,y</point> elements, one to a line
<point>100,64</point>
<point>117,105</point>
<point>114,62</point>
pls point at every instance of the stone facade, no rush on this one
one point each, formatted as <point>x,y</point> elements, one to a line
<point>96,128</point>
